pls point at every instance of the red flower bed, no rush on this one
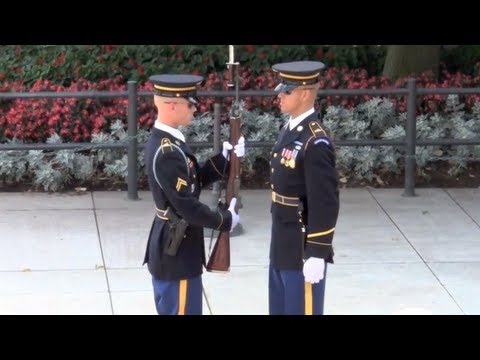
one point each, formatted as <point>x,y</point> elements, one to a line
<point>33,120</point>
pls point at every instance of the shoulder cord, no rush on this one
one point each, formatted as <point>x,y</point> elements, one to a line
<point>155,161</point>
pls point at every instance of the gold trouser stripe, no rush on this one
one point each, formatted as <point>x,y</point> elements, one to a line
<point>182,297</point>
<point>320,233</point>
<point>308,299</point>
<point>298,77</point>
<point>189,88</point>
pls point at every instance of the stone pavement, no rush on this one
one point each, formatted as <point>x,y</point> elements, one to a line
<point>81,254</point>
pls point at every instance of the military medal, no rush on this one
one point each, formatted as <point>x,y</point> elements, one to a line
<point>294,156</point>
<point>288,157</point>
<point>282,161</point>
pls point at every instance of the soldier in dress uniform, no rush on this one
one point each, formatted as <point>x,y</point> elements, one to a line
<point>305,196</point>
<point>175,252</point>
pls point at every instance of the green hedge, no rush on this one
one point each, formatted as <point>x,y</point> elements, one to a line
<point>62,63</point>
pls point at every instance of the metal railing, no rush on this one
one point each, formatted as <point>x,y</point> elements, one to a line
<point>410,142</point>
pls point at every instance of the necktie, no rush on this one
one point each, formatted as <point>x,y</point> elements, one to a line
<point>285,130</point>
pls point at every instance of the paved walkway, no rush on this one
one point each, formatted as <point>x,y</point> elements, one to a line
<point>82,254</point>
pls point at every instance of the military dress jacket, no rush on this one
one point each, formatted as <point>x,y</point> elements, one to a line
<point>175,179</point>
<point>305,196</point>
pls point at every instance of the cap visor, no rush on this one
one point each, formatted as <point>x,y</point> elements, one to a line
<point>192,100</point>
<point>284,88</point>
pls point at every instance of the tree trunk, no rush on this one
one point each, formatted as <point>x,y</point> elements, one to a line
<point>406,60</point>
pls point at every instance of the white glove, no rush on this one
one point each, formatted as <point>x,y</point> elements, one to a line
<point>313,270</point>
<point>235,216</point>
<point>226,146</point>
<point>239,149</point>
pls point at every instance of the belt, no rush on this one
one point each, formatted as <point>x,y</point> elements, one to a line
<point>162,214</point>
<point>285,200</point>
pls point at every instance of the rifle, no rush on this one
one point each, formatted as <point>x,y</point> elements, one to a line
<point>219,260</point>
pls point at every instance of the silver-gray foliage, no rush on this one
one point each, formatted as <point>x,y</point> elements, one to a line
<point>366,121</point>
<point>52,170</point>
<point>374,119</point>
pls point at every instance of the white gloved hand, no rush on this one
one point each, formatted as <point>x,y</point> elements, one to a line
<point>235,216</point>
<point>313,270</point>
<point>226,146</point>
<point>239,149</point>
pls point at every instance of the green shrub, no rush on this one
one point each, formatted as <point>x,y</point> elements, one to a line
<point>65,63</point>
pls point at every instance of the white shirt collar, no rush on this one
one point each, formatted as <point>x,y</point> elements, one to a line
<point>172,131</point>
<point>293,123</point>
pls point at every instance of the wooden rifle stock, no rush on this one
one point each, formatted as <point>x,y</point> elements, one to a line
<point>219,260</point>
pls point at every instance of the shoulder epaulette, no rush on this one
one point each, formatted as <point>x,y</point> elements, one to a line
<point>166,145</point>
<point>316,129</point>
<point>317,132</point>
